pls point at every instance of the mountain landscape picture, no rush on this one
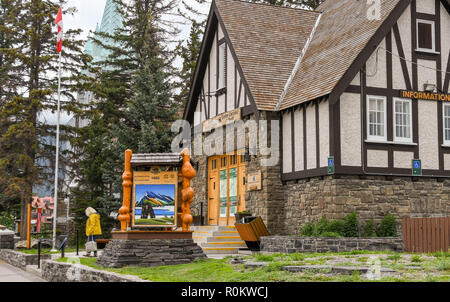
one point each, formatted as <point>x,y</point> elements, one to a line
<point>154,204</point>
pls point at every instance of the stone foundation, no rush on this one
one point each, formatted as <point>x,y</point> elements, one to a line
<point>20,260</point>
<point>152,252</point>
<point>53,271</point>
<point>373,197</point>
<point>289,244</point>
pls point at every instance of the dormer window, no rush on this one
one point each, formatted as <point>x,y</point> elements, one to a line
<point>425,36</point>
<point>221,65</point>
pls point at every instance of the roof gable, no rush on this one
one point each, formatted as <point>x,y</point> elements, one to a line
<point>343,33</point>
<point>267,41</point>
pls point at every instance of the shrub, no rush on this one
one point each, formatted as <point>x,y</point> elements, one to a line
<point>416,258</point>
<point>330,234</point>
<point>369,229</point>
<point>337,226</point>
<point>307,230</point>
<point>351,225</point>
<point>7,220</point>
<point>388,226</point>
<point>322,226</point>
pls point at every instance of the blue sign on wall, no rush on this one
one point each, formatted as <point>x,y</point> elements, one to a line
<point>416,167</point>
<point>331,165</point>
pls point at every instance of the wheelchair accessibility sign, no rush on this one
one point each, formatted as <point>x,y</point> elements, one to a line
<point>416,167</point>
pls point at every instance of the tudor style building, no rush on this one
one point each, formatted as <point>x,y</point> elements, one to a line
<point>367,86</point>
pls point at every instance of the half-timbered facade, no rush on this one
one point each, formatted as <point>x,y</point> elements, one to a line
<point>365,86</point>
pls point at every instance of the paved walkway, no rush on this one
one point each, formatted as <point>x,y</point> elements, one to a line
<point>9,273</point>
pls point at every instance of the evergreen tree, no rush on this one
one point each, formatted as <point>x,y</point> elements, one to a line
<point>32,51</point>
<point>133,105</point>
<point>189,54</point>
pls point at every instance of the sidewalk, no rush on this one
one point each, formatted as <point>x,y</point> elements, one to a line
<point>9,273</point>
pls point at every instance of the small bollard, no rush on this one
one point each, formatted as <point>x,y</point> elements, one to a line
<point>62,247</point>
<point>77,242</point>
<point>39,254</point>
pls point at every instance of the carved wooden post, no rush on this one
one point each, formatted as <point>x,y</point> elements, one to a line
<point>187,192</point>
<point>124,211</point>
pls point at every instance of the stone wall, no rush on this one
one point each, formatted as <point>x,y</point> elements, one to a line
<point>20,260</point>
<point>53,271</point>
<point>152,252</point>
<point>373,197</point>
<point>290,244</point>
<point>6,239</point>
<point>267,202</point>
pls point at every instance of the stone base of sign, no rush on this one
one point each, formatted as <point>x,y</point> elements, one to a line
<point>143,235</point>
<point>150,252</point>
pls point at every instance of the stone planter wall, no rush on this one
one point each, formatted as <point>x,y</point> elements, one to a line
<point>53,271</point>
<point>291,244</point>
<point>6,239</point>
<point>151,252</point>
<point>20,260</point>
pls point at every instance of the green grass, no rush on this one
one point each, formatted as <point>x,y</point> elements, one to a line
<point>47,251</point>
<point>432,268</point>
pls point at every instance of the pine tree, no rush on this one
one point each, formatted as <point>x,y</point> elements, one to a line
<point>189,53</point>
<point>30,92</point>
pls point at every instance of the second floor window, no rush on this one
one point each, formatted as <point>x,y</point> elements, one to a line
<point>376,118</point>
<point>402,120</point>
<point>221,66</point>
<point>446,124</point>
<point>425,35</point>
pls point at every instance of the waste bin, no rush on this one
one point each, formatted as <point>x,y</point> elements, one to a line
<point>251,230</point>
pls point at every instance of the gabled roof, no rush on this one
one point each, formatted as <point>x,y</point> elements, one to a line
<point>343,32</point>
<point>280,66</point>
<point>267,41</point>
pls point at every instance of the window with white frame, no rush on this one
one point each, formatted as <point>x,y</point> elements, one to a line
<point>221,66</point>
<point>425,35</point>
<point>376,118</point>
<point>446,124</point>
<point>402,120</point>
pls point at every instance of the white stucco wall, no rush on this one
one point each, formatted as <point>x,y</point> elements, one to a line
<point>213,73</point>
<point>447,162</point>
<point>425,6</point>
<point>428,135</point>
<point>445,38</point>
<point>425,74</point>
<point>350,129</point>
<point>404,28</point>
<point>376,67</point>
<point>287,143</point>
<point>311,152</point>
<point>298,140</point>
<point>324,132</point>
<point>230,80</point>
<point>398,80</point>
<point>377,158</point>
<point>403,159</point>
<point>356,80</point>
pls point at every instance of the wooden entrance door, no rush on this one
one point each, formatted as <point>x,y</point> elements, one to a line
<point>213,192</point>
<point>226,189</point>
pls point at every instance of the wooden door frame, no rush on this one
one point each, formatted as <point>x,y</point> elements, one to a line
<point>239,164</point>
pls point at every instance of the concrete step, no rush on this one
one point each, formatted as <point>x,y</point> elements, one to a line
<point>225,233</point>
<point>220,250</point>
<point>236,244</point>
<point>224,238</point>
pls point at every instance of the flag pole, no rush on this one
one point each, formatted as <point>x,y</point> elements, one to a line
<point>55,202</point>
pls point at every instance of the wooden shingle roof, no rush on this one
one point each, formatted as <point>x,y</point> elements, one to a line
<point>343,32</point>
<point>267,41</point>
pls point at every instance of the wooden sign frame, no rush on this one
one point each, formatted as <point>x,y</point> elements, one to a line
<point>158,178</point>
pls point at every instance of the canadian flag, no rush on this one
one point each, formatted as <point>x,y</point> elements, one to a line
<point>59,23</point>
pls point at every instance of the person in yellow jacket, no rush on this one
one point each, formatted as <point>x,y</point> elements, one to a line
<point>93,228</point>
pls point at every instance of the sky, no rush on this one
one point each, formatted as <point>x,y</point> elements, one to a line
<point>89,13</point>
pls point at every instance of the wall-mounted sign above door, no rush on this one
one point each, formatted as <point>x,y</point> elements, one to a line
<point>425,95</point>
<point>222,119</point>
